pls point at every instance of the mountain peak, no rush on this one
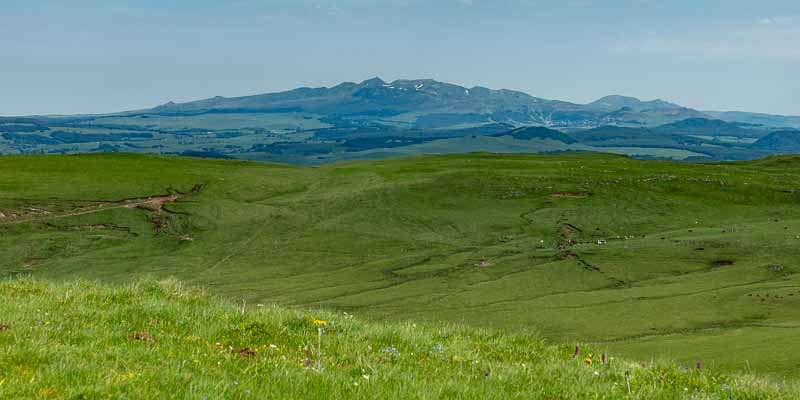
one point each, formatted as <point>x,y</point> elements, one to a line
<point>376,81</point>
<point>616,102</point>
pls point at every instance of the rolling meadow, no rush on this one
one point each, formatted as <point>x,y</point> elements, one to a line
<point>646,260</point>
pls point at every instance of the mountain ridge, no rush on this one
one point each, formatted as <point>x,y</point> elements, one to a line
<point>435,104</point>
<point>417,103</point>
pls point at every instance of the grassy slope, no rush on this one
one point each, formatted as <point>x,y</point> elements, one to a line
<point>159,340</point>
<point>404,239</point>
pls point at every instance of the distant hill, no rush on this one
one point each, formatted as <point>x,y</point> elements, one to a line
<point>537,132</point>
<point>621,136</point>
<point>788,141</point>
<point>757,118</point>
<point>713,127</point>
<point>616,102</point>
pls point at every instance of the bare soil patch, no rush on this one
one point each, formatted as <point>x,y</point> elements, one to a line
<point>155,203</point>
<point>244,352</point>
<point>142,336</point>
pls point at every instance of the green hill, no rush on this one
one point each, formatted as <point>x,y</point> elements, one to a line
<point>538,132</point>
<point>787,141</point>
<point>640,258</point>
<point>712,127</point>
<point>152,340</point>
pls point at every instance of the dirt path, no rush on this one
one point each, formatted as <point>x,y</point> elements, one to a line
<point>154,202</point>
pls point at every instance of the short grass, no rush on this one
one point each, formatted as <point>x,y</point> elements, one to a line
<point>699,261</point>
<point>160,340</point>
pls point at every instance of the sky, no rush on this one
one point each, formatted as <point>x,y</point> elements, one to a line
<point>97,56</point>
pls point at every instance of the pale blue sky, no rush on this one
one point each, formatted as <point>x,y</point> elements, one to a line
<point>91,56</point>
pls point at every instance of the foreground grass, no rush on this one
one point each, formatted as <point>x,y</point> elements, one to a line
<point>80,340</point>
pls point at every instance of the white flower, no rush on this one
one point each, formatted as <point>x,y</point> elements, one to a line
<point>272,346</point>
<point>366,377</point>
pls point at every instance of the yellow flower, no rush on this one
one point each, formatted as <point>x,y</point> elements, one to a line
<point>588,361</point>
<point>320,322</point>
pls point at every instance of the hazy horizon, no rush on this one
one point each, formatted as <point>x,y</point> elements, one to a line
<point>92,57</point>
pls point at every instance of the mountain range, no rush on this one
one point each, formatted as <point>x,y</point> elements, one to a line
<point>432,104</point>
<point>378,119</point>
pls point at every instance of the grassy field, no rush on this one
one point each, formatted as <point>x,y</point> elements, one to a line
<point>639,258</point>
<point>151,340</point>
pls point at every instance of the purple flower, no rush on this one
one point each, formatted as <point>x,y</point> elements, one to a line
<point>577,351</point>
<point>699,365</point>
<point>603,358</point>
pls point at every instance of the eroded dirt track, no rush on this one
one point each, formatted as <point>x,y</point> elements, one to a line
<point>155,203</point>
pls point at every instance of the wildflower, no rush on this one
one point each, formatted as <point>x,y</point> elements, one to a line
<point>273,347</point>
<point>587,361</point>
<point>577,351</point>
<point>699,365</point>
<point>320,323</point>
<point>366,377</point>
<point>603,358</point>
